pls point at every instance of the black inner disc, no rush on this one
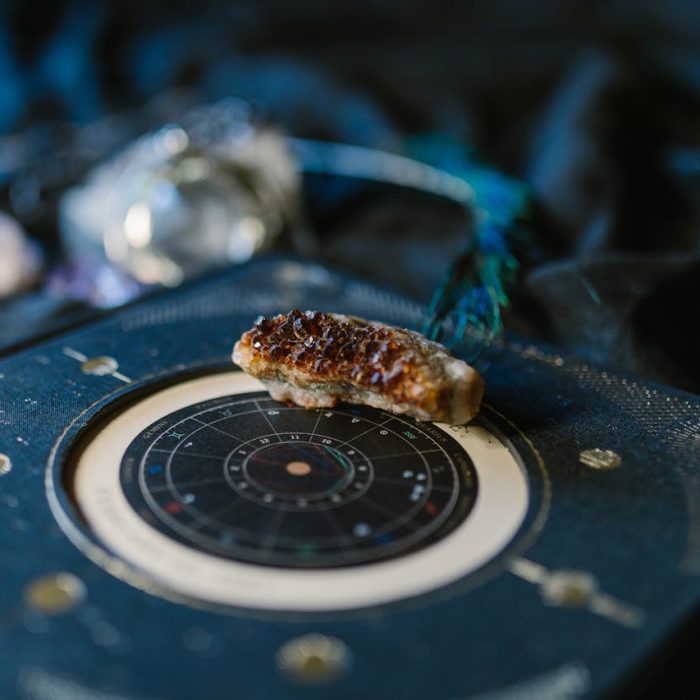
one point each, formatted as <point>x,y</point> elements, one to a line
<point>250,479</point>
<point>296,470</point>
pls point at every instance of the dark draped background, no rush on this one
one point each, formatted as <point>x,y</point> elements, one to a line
<point>593,104</point>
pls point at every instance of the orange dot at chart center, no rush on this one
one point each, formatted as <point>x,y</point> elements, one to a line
<point>298,468</point>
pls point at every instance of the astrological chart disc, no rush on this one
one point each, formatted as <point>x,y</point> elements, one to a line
<point>213,490</point>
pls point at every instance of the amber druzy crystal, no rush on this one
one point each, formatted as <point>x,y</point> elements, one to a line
<point>318,358</point>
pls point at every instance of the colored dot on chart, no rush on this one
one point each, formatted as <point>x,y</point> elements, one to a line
<point>155,469</point>
<point>306,550</point>
<point>361,530</point>
<point>431,508</point>
<point>173,507</point>
<point>385,538</point>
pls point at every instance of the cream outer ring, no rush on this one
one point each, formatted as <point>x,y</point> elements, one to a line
<point>498,512</point>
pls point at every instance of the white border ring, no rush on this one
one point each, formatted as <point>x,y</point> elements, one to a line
<point>499,511</point>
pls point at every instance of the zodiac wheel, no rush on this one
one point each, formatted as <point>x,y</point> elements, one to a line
<point>214,490</point>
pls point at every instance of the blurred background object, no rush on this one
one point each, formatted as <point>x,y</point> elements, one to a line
<point>211,190</point>
<point>19,259</point>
